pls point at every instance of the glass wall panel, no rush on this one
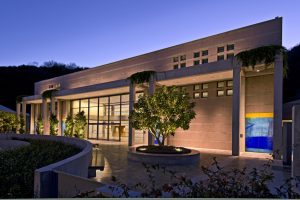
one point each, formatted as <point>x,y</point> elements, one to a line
<point>93,115</point>
<point>84,103</point>
<point>92,131</point>
<point>94,102</point>
<point>75,104</point>
<point>114,131</point>
<point>102,131</point>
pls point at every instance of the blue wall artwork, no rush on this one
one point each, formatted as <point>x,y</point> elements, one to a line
<point>259,132</point>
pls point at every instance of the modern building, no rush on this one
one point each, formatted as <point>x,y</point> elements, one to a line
<point>237,108</point>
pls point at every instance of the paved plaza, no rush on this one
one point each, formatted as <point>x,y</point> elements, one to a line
<point>113,156</point>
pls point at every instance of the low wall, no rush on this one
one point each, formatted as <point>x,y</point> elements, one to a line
<point>71,185</point>
<point>45,178</point>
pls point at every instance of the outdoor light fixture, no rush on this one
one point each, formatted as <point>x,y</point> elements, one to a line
<point>178,149</point>
<point>142,149</point>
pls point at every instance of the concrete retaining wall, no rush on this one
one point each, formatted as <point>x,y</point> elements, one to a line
<point>45,179</point>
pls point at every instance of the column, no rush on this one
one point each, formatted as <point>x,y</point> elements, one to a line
<point>45,116</point>
<point>58,115</point>
<point>236,111</point>
<point>52,105</point>
<point>278,82</point>
<point>18,109</point>
<point>242,112</point>
<point>296,142</point>
<point>24,115</point>
<point>32,118</point>
<point>151,90</point>
<point>131,103</point>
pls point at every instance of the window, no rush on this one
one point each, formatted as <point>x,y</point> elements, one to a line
<point>230,55</point>
<point>205,60</point>
<point>183,88</point>
<point>175,66</point>
<point>220,49</point>
<point>204,86</point>
<point>196,54</point>
<point>204,94</point>
<point>229,92</point>
<point>230,47</point>
<point>229,83</point>
<point>182,65</point>
<point>196,95</point>
<point>183,57</point>
<point>221,84</point>
<point>221,57</point>
<point>220,93</point>
<point>175,59</point>
<point>204,52</point>
<point>197,87</point>
<point>196,62</point>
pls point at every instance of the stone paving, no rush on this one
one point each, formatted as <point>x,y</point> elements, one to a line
<point>114,158</point>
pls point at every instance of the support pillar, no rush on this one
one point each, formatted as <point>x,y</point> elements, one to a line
<point>52,106</point>
<point>32,118</point>
<point>131,103</point>
<point>59,116</point>
<point>24,115</point>
<point>151,90</point>
<point>18,109</point>
<point>242,112</point>
<point>236,111</point>
<point>45,116</point>
<point>278,82</point>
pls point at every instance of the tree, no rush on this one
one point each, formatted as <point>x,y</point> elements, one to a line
<point>69,126</point>
<point>21,125</point>
<point>79,124</point>
<point>39,128</point>
<point>8,122</point>
<point>53,124</point>
<point>163,112</point>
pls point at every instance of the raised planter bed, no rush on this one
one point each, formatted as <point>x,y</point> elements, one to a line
<point>192,157</point>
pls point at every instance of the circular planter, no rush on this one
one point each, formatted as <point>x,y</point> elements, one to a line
<point>164,159</point>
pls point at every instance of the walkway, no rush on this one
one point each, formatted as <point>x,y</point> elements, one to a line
<point>114,157</point>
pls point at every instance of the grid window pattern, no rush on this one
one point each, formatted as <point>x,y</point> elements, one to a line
<point>196,54</point>
<point>220,93</point>
<point>205,53</point>
<point>175,59</point>
<point>220,57</point>
<point>230,55</point>
<point>220,49</point>
<point>182,65</point>
<point>175,66</point>
<point>205,60</point>
<point>230,47</point>
<point>182,57</point>
<point>196,62</point>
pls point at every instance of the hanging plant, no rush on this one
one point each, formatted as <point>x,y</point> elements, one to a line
<point>48,93</point>
<point>141,77</point>
<point>19,98</point>
<point>264,54</point>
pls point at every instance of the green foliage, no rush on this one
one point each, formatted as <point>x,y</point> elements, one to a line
<point>19,98</point>
<point>141,77</point>
<point>8,122</point>
<point>80,123</point>
<point>69,126</point>
<point>21,123</point>
<point>264,54</point>
<point>48,93</point>
<point>18,165</point>
<point>53,124</point>
<point>163,112</point>
<point>39,128</point>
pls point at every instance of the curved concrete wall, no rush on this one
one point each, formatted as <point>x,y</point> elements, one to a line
<point>45,179</point>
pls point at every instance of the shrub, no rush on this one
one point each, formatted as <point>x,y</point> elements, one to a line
<point>21,123</point>
<point>53,124</point>
<point>18,165</point>
<point>8,122</point>
<point>69,126</point>
<point>39,128</point>
<point>79,124</point>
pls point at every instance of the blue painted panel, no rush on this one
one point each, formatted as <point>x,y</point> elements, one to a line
<point>259,134</point>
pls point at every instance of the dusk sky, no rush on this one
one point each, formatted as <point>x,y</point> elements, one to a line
<point>95,32</point>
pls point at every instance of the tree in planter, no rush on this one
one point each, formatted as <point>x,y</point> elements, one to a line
<point>8,122</point>
<point>163,112</point>
<point>79,124</point>
<point>21,123</point>
<point>39,128</point>
<point>69,126</point>
<point>53,124</point>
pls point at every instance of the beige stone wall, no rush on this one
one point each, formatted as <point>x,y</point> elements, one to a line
<point>260,94</point>
<point>264,33</point>
<point>212,126</point>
